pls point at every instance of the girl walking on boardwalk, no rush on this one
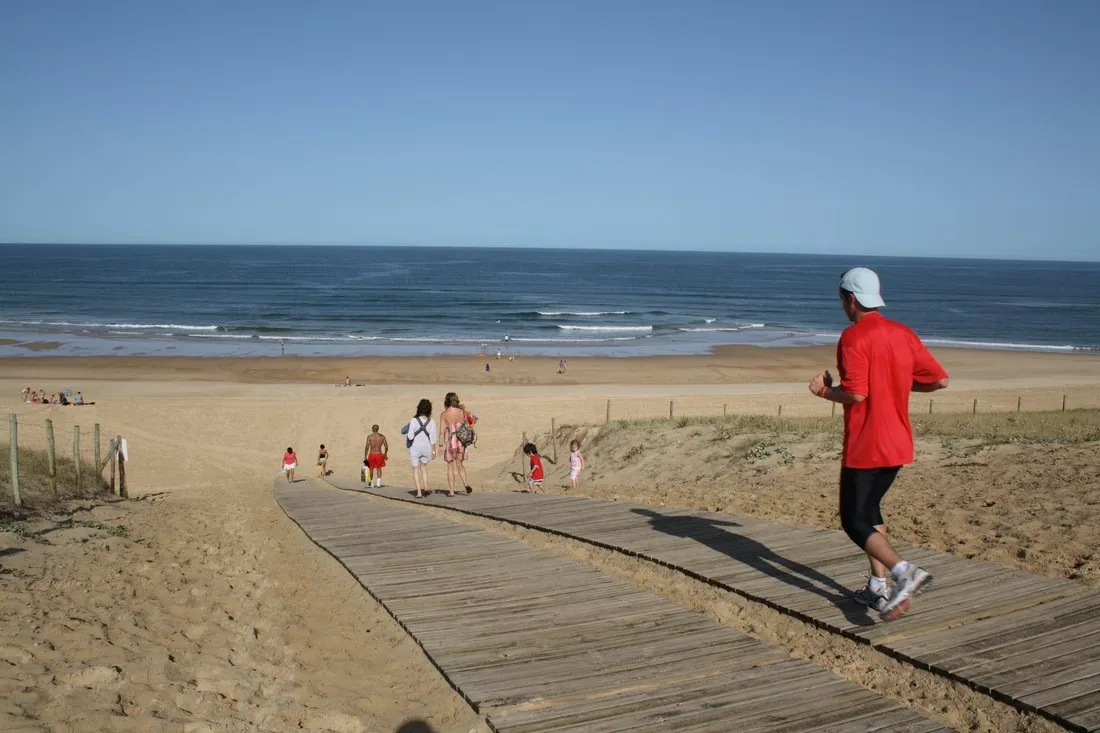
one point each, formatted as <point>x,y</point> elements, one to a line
<point>576,462</point>
<point>420,437</point>
<point>290,462</point>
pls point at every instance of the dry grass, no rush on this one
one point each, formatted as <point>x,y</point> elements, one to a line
<point>34,482</point>
<point>1070,427</point>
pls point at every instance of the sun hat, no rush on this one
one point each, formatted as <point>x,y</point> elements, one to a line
<point>863,283</point>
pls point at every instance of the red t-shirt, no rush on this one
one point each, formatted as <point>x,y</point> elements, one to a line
<point>536,468</point>
<point>289,459</point>
<point>881,360</point>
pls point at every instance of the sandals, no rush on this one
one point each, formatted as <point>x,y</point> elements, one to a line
<point>469,490</point>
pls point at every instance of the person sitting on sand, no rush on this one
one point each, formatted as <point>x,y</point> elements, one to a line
<point>322,461</point>
<point>25,394</point>
<point>454,452</point>
<point>375,453</point>
<point>62,399</point>
<point>290,462</point>
<point>421,436</point>
<point>347,381</point>
<point>79,399</point>
<point>534,478</point>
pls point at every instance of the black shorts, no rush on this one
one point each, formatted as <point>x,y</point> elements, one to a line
<point>861,492</point>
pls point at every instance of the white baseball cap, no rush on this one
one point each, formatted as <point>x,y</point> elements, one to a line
<point>863,283</point>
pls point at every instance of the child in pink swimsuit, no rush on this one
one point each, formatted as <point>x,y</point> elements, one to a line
<point>576,462</point>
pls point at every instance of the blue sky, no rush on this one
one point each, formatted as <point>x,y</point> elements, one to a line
<point>957,128</point>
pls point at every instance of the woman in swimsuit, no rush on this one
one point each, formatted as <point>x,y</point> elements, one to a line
<point>454,453</point>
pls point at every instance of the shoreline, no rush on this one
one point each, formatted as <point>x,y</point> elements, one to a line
<point>730,364</point>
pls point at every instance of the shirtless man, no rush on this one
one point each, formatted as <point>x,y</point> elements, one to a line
<point>375,452</point>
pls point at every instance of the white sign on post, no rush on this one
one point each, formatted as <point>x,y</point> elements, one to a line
<point>125,453</point>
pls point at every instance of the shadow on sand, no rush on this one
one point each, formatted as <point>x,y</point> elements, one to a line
<point>713,533</point>
<point>415,726</point>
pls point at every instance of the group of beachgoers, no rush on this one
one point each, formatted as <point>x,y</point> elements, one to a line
<point>426,440</point>
<point>42,397</point>
<point>880,363</point>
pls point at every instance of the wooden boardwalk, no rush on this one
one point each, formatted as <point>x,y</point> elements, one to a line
<point>539,644</point>
<point>1028,640</point>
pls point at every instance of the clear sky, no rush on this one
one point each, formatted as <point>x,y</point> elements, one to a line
<point>944,127</point>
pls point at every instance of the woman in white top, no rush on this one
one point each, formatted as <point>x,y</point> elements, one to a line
<point>421,436</point>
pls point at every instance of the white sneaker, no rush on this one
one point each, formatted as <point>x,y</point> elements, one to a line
<point>906,586</point>
<point>872,599</point>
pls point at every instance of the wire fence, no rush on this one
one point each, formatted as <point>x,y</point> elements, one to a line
<point>595,412</point>
<point>42,468</point>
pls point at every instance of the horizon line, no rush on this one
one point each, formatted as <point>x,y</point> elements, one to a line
<point>625,248</point>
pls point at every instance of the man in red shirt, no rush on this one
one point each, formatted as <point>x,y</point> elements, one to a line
<point>880,362</point>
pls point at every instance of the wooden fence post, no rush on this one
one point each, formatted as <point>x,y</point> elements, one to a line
<point>76,454</point>
<point>781,411</point>
<point>554,438</point>
<point>723,409</point>
<point>975,408</point>
<point>608,419</point>
<point>13,423</point>
<point>929,407</point>
<point>96,454</point>
<point>670,404</point>
<point>114,461</point>
<point>1019,402</point>
<point>832,413</point>
<point>122,490</point>
<point>51,457</point>
<point>1063,403</point>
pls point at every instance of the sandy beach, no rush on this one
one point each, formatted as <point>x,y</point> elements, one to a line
<point>211,611</point>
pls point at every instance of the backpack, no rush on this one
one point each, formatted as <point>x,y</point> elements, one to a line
<point>465,434</point>
<point>409,439</point>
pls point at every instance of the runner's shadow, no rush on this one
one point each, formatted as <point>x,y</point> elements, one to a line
<point>711,532</point>
<point>415,726</point>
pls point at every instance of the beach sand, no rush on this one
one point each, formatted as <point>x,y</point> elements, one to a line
<point>212,609</point>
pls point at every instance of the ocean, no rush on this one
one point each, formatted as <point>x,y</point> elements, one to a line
<point>243,300</point>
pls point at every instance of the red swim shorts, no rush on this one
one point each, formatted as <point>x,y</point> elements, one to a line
<point>376,460</point>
